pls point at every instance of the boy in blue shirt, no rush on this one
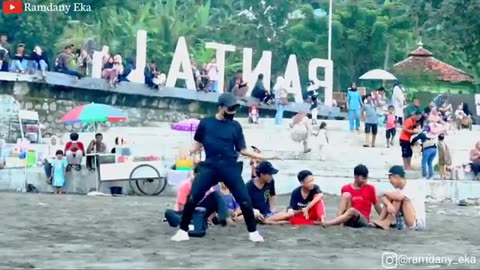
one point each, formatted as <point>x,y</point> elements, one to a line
<point>371,121</point>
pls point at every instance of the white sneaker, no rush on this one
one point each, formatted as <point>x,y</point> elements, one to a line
<point>255,237</point>
<point>180,236</point>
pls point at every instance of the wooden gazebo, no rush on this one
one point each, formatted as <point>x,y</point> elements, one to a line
<point>421,62</point>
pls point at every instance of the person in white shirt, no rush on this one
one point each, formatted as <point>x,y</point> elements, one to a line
<point>398,101</point>
<point>404,207</point>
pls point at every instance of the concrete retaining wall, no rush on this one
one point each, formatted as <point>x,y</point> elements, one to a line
<point>84,181</point>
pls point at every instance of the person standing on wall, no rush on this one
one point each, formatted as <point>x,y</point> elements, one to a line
<point>222,139</point>
<point>212,71</point>
<point>354,106</point>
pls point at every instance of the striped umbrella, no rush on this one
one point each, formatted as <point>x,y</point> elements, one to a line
<point>93,113</point>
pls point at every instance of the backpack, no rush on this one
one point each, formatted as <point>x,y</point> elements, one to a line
<point>31,188</point>
<point>199,225</point>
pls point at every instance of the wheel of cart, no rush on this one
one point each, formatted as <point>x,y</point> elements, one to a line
<point>145,179</point>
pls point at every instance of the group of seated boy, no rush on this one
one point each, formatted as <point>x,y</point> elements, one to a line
<point>401,208</point>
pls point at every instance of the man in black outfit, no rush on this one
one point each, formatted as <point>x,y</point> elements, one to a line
<point>221,137</point>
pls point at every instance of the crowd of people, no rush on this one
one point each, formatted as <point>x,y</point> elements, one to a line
<point>403,206</point>
<point>60,159</point>
<point>420,129</point>
<point>78,62</point>
<point>72,61</point>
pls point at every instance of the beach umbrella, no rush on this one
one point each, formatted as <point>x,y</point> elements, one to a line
<point>94,113</point>
<point>378,74</point>
<point>188,125</point>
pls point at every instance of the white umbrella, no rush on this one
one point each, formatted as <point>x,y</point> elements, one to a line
<point>378,74</point>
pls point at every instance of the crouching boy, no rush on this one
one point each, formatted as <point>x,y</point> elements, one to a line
<point>404,207</point>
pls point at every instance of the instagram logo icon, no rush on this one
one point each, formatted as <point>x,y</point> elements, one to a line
<point>389,260</point>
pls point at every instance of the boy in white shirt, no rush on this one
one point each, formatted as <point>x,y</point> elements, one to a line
<point>407,202</point>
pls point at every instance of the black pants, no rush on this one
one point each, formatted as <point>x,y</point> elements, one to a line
<point>390,133</point>
<point>262,95</point>
<point>406,147</point>
<point>212,203</point>
<point>228,172</point>
<point>475,168</point>
<point>371,128</point>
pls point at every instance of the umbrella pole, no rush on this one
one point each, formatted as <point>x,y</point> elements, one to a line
<point>97,166</point>
<point>26,176</point>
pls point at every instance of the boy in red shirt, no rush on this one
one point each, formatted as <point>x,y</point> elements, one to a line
<point>306,204</point>
<point>74,152</point>
<point>356,201</point>
<point>408,130</point>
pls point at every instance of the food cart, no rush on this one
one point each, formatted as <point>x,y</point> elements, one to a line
<point>147,174</point>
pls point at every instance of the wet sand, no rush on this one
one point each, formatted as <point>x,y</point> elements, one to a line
<point>68,231</point>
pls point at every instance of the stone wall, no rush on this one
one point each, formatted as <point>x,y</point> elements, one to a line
<point>52,100</point>
<point>51,109</point>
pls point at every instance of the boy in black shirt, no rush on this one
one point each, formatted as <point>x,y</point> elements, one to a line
<point>261,190</point>
<point>306,204</point>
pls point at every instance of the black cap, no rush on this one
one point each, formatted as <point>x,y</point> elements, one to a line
<point>397,170</point>
<point>265,167</point>
<point>227,100</point>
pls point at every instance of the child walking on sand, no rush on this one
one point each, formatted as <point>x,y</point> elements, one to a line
<point>371,121</point>
<point>444,157</point>
<point>390,125</point>
<point>323,140</point>
<point>59,169</point>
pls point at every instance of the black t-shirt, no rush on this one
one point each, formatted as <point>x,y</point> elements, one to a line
<point>314,96</point>
<point>220,139</point>
<point>297,202</point>
<point>260,197</point>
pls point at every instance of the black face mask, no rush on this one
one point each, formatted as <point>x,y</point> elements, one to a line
<point>228,116</point>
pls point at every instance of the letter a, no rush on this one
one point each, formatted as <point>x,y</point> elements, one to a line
<point>181,61</point>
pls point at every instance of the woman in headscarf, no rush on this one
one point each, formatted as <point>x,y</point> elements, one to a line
<point>437,126</point>
<point>53,146</point>
<point>111,74</point>
<point>300,130</point>
<point>354,106</point>
<point>475,160</point>
<point>281,99</point>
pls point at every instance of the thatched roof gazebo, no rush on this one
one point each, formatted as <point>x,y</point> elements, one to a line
<point>428,72</point>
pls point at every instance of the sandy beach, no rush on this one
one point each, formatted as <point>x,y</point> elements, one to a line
<point>58,232</point>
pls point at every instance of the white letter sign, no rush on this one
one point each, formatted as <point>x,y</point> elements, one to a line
<point>327,82</point>
<point>263,67</point>
<point>181,60</point>
<point>138,75</point>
